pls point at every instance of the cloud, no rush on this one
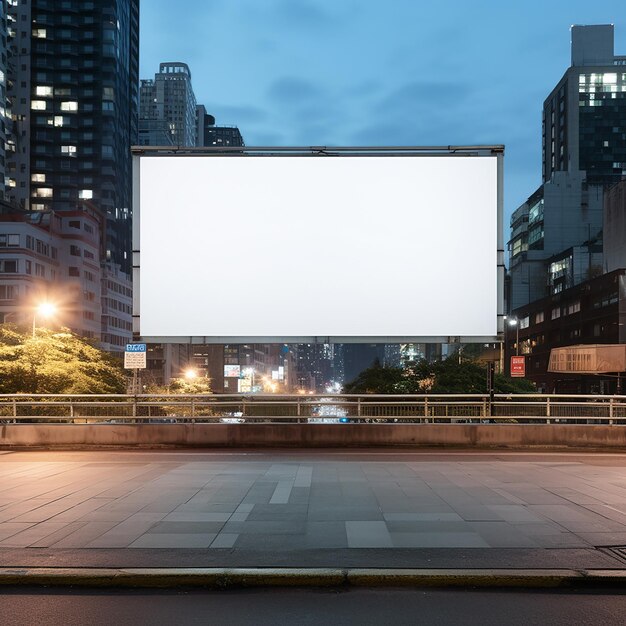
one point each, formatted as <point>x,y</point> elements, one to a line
<point>237,114</point>
<point>292,90</point>
<point>303,13</point>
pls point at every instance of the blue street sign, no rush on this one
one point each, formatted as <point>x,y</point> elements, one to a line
<point>136,347</point>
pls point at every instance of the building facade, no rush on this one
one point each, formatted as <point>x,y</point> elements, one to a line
<point>556,235</point>
<point>591,312</point>
<point>73,92</point>
<point>210,135</point>
<point>167,109</point>
<point>52,256</point>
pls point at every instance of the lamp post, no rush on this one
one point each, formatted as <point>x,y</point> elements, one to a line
<point>510,321</point>
<point>45,309</point>
<point>515,322</point>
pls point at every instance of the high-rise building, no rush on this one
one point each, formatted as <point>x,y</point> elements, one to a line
<point>556,235</point>
<point>4,113</point>
<point>584,116</point>
<point>210,135</point>
<point>167,108</point>
<point>73,90</point>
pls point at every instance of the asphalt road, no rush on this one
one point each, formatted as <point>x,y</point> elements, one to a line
<point>32,607</point>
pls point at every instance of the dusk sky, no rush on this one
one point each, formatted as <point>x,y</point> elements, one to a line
<point>360,72</point>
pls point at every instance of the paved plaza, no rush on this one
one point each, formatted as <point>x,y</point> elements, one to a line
<point>259,507</point>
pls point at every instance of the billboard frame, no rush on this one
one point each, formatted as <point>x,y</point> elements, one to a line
<point>497,151</point>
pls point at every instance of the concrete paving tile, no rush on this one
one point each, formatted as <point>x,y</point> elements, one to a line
<point>126,532</point>
<point>503,535</point>
<point>438,540</point>
<point>31,535</point>
<point>270,543</point>
<point>164,540</point>
<point>304,476</point>
<point>282,492</point>
<point>422,517</point>
<point>276,512</point>
<point>603,538</point>
<point>368,534</point>
<point>344,513</point>
<point>84,535</point>
<point>196,516</point>
<point>224,540</point>
<point>265,528</point>
<point>8,529</point>
<point>66,530</point>
<point>515,513</point>
<point>185,528</point>
<point>242,512</point>
<point>427,526</point>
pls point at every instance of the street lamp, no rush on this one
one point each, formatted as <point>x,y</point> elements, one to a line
<point>191,373</point>
<point>45,309</point>
<point>515,322</point>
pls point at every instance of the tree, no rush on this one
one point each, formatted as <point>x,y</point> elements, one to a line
<point>447,376</point>
<point>55,362</point>
<point>377,379</point>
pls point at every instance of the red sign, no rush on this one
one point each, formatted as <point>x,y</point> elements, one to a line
<point>518,367</point>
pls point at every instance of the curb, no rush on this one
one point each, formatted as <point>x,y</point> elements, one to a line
<point>231,578</point>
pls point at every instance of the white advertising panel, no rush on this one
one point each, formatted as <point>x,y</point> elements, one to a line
<point>348,247</point>
<point>232,371</point>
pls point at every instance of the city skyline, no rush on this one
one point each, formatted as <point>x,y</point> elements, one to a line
<point>324,82</point>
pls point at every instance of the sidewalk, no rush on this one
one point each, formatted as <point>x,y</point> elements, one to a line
<point>333,511</point>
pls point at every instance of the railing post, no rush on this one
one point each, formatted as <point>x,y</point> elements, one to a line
<point>193,407</point>
<point>298,407</point>
<point>15,409</point>
<point>611,411</point>
<point>485,408</point>
<point>358,407</point>
<point>71,410</point>
<point>548,410</point>
<point>243,407</point>
<point>134,407</point>
<point>426,408</point>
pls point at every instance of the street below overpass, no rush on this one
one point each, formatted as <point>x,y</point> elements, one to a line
<point>34,607</point>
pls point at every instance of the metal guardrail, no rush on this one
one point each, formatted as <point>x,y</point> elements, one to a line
<point>322,408</point>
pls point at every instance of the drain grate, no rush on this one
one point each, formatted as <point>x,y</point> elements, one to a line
<point>618,552</point>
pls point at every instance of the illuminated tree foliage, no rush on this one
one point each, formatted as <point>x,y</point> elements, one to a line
<point>55,362</point>
<point>447,376</point>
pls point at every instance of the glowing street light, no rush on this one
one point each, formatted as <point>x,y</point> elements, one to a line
<point>191,373</point>
<point>515,322</point>
<point>45,310</point>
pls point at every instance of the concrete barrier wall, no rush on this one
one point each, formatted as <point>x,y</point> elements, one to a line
<point>311,435</point>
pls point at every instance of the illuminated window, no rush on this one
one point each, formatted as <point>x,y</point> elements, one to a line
<point>59,120</point>
<point>39,33</point>
<point>38,105</point>
<point>43,192</point>
<point>556,312</point>
<point>85,194</point>
<point>69,105</point>
<point>42,90</point>
<point>38,178</point>
<point>609,78</point>
<point>70,150</point>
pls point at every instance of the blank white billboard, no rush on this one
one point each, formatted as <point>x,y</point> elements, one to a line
<point>327,247</point>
